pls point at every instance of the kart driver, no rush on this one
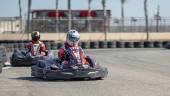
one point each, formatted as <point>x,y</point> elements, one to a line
<point>36,47</point>
<point>71,53</point>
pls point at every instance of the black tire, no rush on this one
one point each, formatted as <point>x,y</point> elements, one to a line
<point>111,44</point>
<point>119,44</point>
<point>128,44</point>
<point>138,44</point>
<point>53,45</point>
<point>102,44</point>
<point>94,45</point>
<point>85,45</point>
<point>99,78</point>
<point>148,44</point>
<point>157,44</point>
<point>59,45</point>
<point>164,44</point>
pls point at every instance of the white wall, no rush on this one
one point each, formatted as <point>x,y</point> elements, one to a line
<point>92,36</point>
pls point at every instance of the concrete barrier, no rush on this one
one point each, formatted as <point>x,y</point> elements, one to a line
<point>128,36</point>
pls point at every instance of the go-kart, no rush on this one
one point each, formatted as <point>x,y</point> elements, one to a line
<point>23,58</point>
<point>76,71</point>
<point>167,46</point>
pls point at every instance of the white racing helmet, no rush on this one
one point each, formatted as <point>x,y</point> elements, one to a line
<point>73,37</point>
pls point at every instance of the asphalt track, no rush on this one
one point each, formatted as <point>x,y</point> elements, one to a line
<point>132,72</point>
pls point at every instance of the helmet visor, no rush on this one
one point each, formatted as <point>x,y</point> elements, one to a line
<point>35,37</point>
<point>74,39</point>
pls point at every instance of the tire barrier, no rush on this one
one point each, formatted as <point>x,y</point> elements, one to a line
<point>94,44</point>
<point>138,45</point>
<point>85,45</point>
<point>59,45</point>
<point>128,45</point>
<point>119,44</point>
<point>47,44</point>
<point>54,45</point>
<point>103,44</point>
<point>157,44</point>
<point>148,44</point>
<point>165,44</point>
<point>111,44</point>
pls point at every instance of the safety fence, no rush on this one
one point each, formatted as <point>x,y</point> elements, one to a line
<point>51,25</point>
<point>99,25</point>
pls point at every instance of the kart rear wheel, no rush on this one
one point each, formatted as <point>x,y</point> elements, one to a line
<point>86,79</point>
<point>99,78</point>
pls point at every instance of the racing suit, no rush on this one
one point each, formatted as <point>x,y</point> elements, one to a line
<point>36,48</point>
<point>69,55</point>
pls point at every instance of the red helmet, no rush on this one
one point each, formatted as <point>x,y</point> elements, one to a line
<point>35,35</point>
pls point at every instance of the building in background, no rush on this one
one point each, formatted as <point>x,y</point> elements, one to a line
<point>45,20</point>
<point>10,25</point>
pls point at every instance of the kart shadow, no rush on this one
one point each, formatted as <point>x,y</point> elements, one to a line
<point>28,79</point>
<point>34,79</point>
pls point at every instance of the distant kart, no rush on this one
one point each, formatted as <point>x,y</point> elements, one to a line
<point>167,46</point>
<point>44,71</point>
<point>3,57</point>
<point>20,58</point>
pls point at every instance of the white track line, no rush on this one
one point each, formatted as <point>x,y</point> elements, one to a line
<point>4,68</point>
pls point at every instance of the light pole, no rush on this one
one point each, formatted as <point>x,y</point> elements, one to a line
<point>104,17</point>
<point>57,15</point>
<point>146,20</point>
<point>20,14</point>
<point>69,15</point>
<point>89,15</point>
<point>157,17</point>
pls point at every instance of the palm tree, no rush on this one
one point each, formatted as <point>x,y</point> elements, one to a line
<point>69,14</point>
<point>28,17</point>
<point>146,19</point>
<point>105,17</point>
<point>20,14</point>
<point>122,14</point>
<point>104,7</point>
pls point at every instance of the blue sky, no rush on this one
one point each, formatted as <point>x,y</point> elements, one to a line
<point>132,7</point>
